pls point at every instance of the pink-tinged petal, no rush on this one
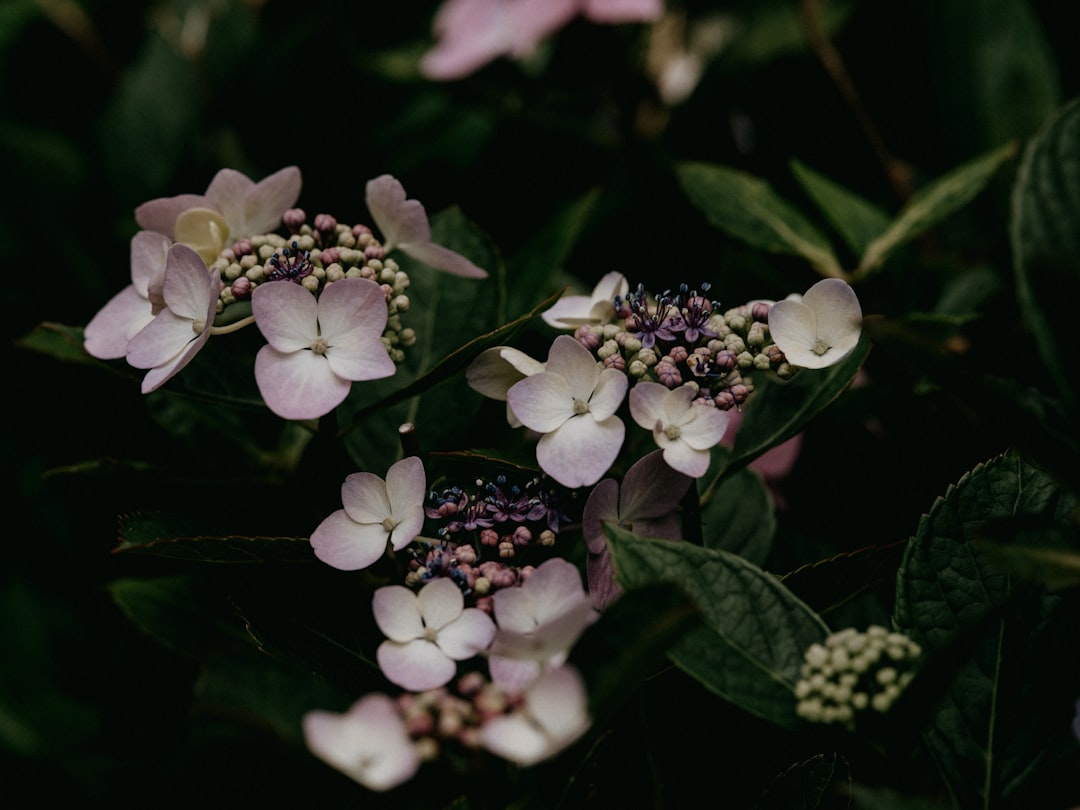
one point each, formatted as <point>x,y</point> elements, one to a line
<point>159,375</point>
<point>415,665</point>
<point>623,11</point>
<point>612,284</point>
<point>369,743</point>
<point>551,640</point>
<point>107,335</point>
<point>677,404</point>
<point>535,20</point>
<point>161,341</point>
<point>298,385</point>
<point>406,485</point>
<point>601,575</point>
<point>569,312</point>
<point>705,427</point>
<point>440,602</point>
<point>557,700</point>
<point>602,506</point>
<point>149,255</point>
<point>581,451</point>
<point>160,214</point>
<point>575,364</point>
<point>514,610</point>
<point>190,288</point>
<point>471,633</point>
<point>651,489</point>
<point>442,258</point>
<point>471,33</point>
<point>286,314</point>
<point>398,219</point>
<point>609,394</point>
<point>410,524</point>
<point>264,205</point>
<point>366,360</point>
<point>555,587</point>
<point>341,542</point>
<point>516,738</point>
<point>683,458</point>
<point>352,309</point>
<point>647,404</point>
<point>397,613</point>
<point>513,675</point>
<point>777,463</point>
<point>365,498</point>
<point>227,191</point>
<point>541,402</point>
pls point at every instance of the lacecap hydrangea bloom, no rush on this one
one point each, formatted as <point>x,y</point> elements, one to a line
<point>822,328</point>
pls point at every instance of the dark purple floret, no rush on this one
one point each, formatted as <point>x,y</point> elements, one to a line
<point>292,265</point>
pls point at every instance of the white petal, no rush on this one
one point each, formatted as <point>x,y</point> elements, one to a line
<point>440,602</point>
<point>106,336</point>
<point>286,314</point>
<point>469,634</point>
<point>149,255</point>
<point>541,402</point>
<point>299,384</point>
<point>365,498</point>
<point>569,312</point>
<point>160,215</point>
<point>581,450</point>
<point>406,485</point>
<point>685,459</point>
<point>793,327</point>
<point>705,427</point>
<point>514,611</point>
<point>397,613</point>
<point>441,258</point>
<point>415,665</point>
<point>557,699</point>
<point>608,396</point>
<point>341,542</point>
<point>189,285</point>
<point>399,220</point>
<point>268,200</point>
<point>575,364</point>
<point>516,738</point>
<point>352,308</point>
<point>554,589</point>
<point>513,675</point>
<point>647,400</point>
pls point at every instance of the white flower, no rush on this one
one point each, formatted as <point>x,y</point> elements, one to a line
<point>375,511</point>
<point>573,403</point>
<point>404,226</point>
<point>175,335</point>
<point>683,430</point>
<point>318,348</point>
<point>553,714</point>
<point>494,371</point>
<point>368,743</point>
<point>538,623</point>
<point>571,311</point>
<point>427,633</point>
<point>822,328</point>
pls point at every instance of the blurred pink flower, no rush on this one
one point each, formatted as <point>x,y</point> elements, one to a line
<point>472,33</point>
<point>318,348</point>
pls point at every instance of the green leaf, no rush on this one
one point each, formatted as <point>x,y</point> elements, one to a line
<point>856,220</point>
<point>60,342</point>
<point>934,203</point>
<point>739,517</point>
<point>999,722</point>
<point>1034,550</point>
<point>1045,233</point>
<point>178,538</point>
<point>755,631</point>
<point>747,208</point>
<point>828,584</point>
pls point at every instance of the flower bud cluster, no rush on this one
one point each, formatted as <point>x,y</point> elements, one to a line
<point>315,256</point>
<point>451,714</point>
<point>853,674</point>
<point>488,536</point>
<point>682,337</point>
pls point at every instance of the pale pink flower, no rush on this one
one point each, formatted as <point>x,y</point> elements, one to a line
<point>177,333</point>
<point>821,329</point>
<point>538,623</point>
<point>472,33</point>
<point>375,512</point>
<point>318,348</point>
<point>369,743</point>
<point>427,633</point>
<point>404,226</point>
<point>685,431</point>
<point>571,311</point>
<point>108,333</point>
<point>553,714</point>
<point>573,403</point>
<point>644,504</point>
<point>232,207</point>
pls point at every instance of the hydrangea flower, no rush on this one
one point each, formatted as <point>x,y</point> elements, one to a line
<point>232,207</point>
<point>318,348</point>
<point>375,512</point>
<point>427,633</point>
<point>495,371</point>
<point>573,403</point>
<point>822,328</point>
<point>571,311</point>
<point>553,714</point>
<point>107,335</point>
<point>471,33</point>
<point>684,430</point>
<point>644,504</point>
<point>538,623</point>
<point>369,743</point>
<point>175,335</point>
<point>404,226</point>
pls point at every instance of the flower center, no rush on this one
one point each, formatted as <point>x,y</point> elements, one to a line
<point>673,431</point>
<point>198,325</point>
<point>390,524</point>
<point>580,406</point>
<point>430,633</point>
<point>319,346</point>
<point>820,347</point>
<point>292,265</point>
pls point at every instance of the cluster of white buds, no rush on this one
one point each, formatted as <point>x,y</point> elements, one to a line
<point>853,673</point>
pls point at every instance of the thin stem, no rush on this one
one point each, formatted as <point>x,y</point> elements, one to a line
<point>232,327</point>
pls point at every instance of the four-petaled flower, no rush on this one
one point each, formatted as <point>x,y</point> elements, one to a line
<point>685,431</point>
<point>369,743</point>
<point>427,633</point>
<point>573,403</point>
<point>375,511</point>
<point>553,714</point>
<point>644,504</point>
<point>822,328</point>
<point>232,207</point>
<point>317,348</point>
<point>571,311</point>
<point>404,226</point>
<point>175,335</point>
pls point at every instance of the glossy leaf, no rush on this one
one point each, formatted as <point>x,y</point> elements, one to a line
<point>859,222</point>
<point>739,517</point>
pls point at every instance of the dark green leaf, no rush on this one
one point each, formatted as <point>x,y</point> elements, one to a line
<point>739,517</point>
<point>755,631</point>
<point>747,208</point>
<point>828,584</point>
<point>855,219</point>
<point>178,539</point>
<point>58,341</point>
